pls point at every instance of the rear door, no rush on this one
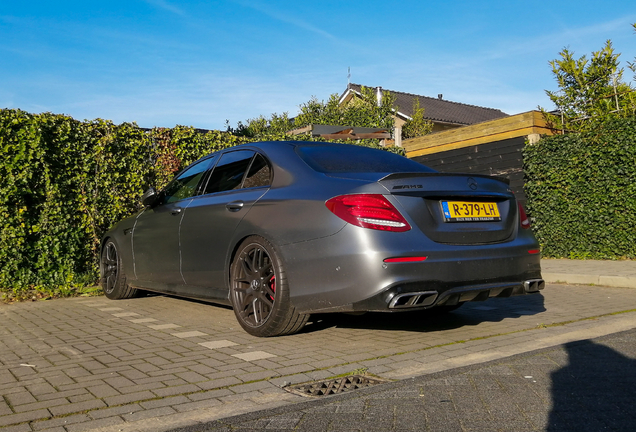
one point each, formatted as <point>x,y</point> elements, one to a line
<point>238,180</point>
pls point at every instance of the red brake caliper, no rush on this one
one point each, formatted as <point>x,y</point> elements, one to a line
<point>272,285</point>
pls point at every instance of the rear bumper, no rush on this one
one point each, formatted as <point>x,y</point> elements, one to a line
<point>397,298</point>
<point>346,272</point>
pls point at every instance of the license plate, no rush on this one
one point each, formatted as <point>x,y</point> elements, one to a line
<point>465,211</point>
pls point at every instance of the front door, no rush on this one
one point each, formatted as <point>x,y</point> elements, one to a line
<point>155,239</point>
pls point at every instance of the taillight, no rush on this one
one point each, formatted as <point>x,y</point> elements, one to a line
<point>523,218</point>
<point>368,211</point>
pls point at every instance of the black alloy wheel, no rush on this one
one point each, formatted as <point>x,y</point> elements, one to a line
<point>112,275</point>
<point>109,268</point>
<point>259,291</point>
<point>255,285</point>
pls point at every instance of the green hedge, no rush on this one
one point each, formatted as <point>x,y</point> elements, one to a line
<point>64,182</point>
<point>581,191</point>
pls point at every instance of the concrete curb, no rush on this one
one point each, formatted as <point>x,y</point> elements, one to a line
<point>587,279</point>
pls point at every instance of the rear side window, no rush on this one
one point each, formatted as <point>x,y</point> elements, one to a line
<point>259,173</point>
<point>356,159</point>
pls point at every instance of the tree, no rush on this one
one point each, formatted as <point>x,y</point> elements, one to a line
<point>364,111</point>
<point>262,127</point>
<point>632,66</point>
<point>589,90</point>
<point>361,112</point>
<point>418,125</point>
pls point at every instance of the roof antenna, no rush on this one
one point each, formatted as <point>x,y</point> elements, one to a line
<point>349,77</point>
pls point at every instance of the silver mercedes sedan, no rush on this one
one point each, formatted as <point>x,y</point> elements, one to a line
<point>281,230</point>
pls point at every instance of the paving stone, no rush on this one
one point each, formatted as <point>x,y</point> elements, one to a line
<point>189,334</point>
<point>41,389</point>
<point>199,405</point>
<point>168,401</point>
<point>146,414</point>
<point>114,411</point>
<point>143,320</point>
<point>4,408</point>
<point>22,398</point>
<point>141,387</point>
<point>95,424</point>
<point>202,369</point>
<point>76,407</point>
<point>218,383</point>
<point>177,390</point>
<point>59,422</point>
<point>191,377</point>
<point>39,405</point>
<point>210,394</point>
<point>173,382</point>
<point>63,394</point>
<point>130,397</point>
<point>251,387</point>
<point>81,397</point>
<point>254,355</point>
<point>24,427</point>
<point>24,417</point>
<point>125,314</point>
<point>217,344</point>
<point>163,326</point>
<point>118,382</point>
<point>102,391</point>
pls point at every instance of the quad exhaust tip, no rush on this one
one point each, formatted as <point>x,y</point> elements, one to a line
<point>533,285</point>
<point>413,299</point>
<point>428,298</point>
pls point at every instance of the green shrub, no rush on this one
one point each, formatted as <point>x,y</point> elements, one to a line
<point>65,182</point>
<point>581,191</point>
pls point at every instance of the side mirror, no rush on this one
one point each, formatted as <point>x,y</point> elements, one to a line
<point>149,197</point>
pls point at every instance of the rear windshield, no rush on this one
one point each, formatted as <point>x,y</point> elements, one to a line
<point>342,158</point>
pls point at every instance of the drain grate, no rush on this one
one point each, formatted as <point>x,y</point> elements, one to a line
<point>334,386</point>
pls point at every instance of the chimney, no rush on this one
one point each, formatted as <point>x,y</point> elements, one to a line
<point>439,96</point>
<point>378,95</point>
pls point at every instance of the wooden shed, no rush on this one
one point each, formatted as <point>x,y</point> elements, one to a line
<point>492,147</point>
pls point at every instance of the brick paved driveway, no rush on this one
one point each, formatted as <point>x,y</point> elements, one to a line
<point>158,362</point>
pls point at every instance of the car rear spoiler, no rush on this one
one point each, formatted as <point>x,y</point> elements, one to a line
<point>398,176</point>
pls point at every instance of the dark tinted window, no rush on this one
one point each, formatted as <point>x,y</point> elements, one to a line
<point>259,173</point>
<point>228,173</point>
<point>185,184</point>
<point>356,159</point>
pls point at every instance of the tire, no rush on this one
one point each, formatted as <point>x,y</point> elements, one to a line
<point>112,276</point>
<point>259,291</point>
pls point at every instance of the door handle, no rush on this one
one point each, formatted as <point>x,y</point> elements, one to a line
<point>234,206</point>
<point>176,211</point>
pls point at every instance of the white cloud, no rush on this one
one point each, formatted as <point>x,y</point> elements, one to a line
<point>163,4</point>
<point>279,16</point>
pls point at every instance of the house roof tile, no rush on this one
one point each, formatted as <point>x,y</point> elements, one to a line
<point>440,110</point>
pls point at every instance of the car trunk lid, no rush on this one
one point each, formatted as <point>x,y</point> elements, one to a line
<point>456,208</point>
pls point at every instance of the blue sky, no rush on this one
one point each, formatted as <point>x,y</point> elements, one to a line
<point>200,63</point>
